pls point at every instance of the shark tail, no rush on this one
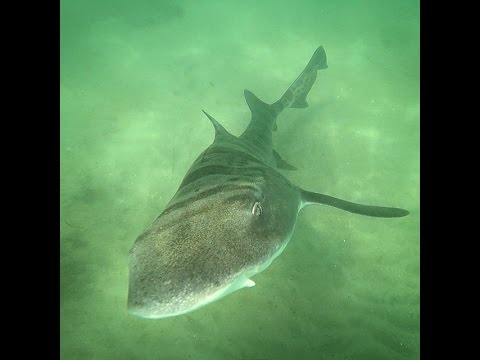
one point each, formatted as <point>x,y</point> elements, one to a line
<point>296,94</point>
<point>263,121</point>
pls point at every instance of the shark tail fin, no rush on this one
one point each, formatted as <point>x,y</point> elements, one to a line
<point>296,94</point>
<point>318,60</point>
<point>367,210</point>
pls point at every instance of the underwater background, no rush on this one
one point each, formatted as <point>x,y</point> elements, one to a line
<point>135,76</point>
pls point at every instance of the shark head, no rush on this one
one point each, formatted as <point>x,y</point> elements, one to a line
<point>207,243</point>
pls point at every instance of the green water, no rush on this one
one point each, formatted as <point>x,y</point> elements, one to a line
<point>134,78</point>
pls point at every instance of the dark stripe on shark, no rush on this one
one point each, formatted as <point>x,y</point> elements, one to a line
<point>235,157</point>
<point>196,196</point>
<point>209,170</point>
<point>375,211</point>
<point>174,220</point>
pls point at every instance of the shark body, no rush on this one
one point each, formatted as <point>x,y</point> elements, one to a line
<point>232,215</point>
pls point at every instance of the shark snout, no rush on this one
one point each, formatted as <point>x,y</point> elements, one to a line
<point>148,312</point>
<point>156,302</point>
<point>150,308</point>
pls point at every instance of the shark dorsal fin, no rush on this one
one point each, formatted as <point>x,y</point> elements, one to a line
<point>259,108</point>
<point>219,129</point>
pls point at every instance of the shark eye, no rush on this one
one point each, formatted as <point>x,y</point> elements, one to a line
<point>257,209</point>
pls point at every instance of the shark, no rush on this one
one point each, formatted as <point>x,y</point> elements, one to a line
<point>232,215</point>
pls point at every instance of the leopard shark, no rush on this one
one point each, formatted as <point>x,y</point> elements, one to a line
<point>232,215</point>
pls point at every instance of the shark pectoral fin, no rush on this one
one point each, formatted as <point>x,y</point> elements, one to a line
<point>282,164</point>
<point>238,284</point>
<point>375,211</point>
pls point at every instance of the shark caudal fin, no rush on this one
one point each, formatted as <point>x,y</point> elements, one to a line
<point>296,94</point>
<point>375,211</point>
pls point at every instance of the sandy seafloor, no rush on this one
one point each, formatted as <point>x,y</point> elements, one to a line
<point>134,78</point>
